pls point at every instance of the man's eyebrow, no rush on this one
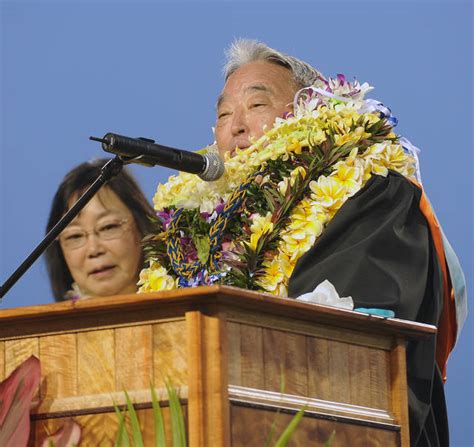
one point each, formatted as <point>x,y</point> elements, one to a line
<point>251,88</point>
<point>220,100</point>
<point>259,88</point>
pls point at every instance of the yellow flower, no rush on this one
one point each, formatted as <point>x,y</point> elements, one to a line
<point>283,185</point>
<point>155,278</point>
<point>253,242</point>
<point>349,177</point>
<point>350,160</point>
<point>397,159</point>
<point>296,247</point>
<point>299,171</point>
<point>302,223</point>
<point>353,137</point>
<point>295,146</point>
<point>328,192</point>
<point>273,275</point>
<point>306,223</point>
<point>174,189</point>
<point>286,265</point>
<point>261,225</point>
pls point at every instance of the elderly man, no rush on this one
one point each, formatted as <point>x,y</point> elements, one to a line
<point>379,248</point>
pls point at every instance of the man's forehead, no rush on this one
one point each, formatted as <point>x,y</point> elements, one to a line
<point>252,88</point>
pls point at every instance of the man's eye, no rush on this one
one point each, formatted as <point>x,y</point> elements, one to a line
<point>223,115</point>
<point>257,104</point>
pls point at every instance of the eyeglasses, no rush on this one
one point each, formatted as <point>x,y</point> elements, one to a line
<point>70,240</point>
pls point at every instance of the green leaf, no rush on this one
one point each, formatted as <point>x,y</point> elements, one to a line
<point>122,435</point>
<point>329,442</point>
<point>282,380</point>
<point>160,438</point>
<point>203,245</point>
<point>290,429</point>
<point>177,419</point>
<point>270,202</point>
<point>272,430</point>
<point>136,431</point>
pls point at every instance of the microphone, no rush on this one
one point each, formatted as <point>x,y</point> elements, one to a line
<point>208,167</point>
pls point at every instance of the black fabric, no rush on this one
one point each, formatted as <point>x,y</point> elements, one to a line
<point>378,249</point>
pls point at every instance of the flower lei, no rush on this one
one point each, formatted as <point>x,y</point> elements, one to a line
<point>75,293</point>
<point>249,228</point>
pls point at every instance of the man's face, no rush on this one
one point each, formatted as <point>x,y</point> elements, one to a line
<point>253,96</point>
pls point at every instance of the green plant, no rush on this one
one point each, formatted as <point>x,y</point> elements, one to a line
<point>290,429</point>
<point>178,428</point>
<point>329,442</point>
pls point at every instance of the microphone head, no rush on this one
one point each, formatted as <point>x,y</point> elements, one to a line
<point>214,167</point>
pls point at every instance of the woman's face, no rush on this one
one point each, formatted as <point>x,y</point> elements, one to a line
<point>102,266</point>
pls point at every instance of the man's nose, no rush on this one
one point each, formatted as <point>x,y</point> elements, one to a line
<point>239,123</point>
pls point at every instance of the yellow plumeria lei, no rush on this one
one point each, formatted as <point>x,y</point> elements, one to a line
<point>328,194</point>
<point>327,152</point>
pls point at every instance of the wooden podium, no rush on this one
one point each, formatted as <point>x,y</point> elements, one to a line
<point>235,356</point>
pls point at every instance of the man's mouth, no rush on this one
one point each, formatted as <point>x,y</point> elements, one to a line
<point>240,147</point>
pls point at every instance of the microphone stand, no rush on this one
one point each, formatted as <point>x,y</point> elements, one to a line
<point>108,171</point>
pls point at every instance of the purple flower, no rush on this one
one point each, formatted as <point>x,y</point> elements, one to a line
<point>166,217</point>
<point>190,251</point>
<point>220,207</point>
<point>205,215</point>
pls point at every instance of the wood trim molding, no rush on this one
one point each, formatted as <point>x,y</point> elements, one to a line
<point>400,391</point>
<point>208,403</point>
<point>255,397</point>
<point>99,403</point>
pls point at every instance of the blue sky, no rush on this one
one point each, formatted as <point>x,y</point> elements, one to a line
<point>72,69</point>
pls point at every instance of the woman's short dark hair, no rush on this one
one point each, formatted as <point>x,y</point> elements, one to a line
<point>74,184</point>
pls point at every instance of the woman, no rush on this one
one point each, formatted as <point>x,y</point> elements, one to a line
<point>99,253</point>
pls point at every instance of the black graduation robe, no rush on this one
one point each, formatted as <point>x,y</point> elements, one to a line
<point>379,250</point>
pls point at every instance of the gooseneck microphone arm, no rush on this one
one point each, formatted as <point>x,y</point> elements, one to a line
<point>108,171</point>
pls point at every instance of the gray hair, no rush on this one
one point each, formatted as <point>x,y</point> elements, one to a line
<point>243,51</point>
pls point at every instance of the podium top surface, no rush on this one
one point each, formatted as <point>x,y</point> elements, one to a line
<point>121,309</point>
